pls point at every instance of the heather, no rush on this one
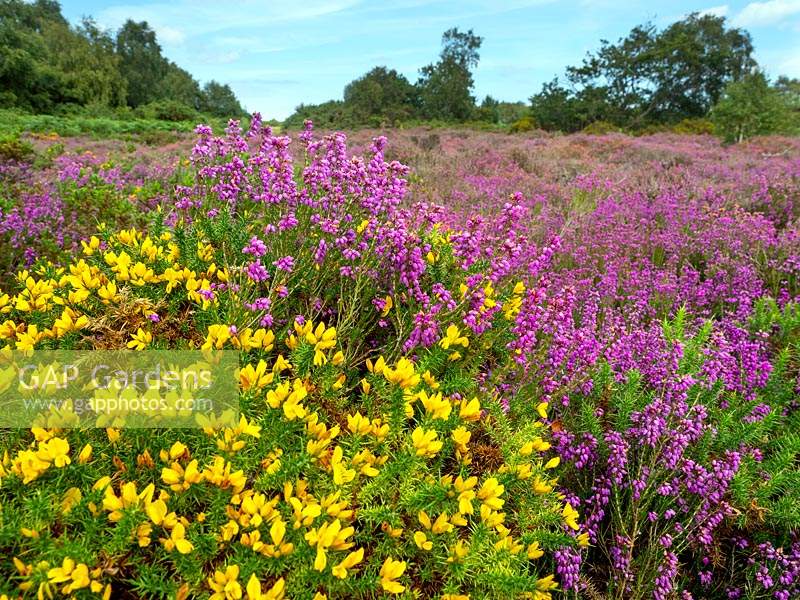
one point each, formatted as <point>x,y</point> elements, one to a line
<point>470,365</point>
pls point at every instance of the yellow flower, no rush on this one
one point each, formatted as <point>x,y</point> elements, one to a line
<point>140,340</point>
<point>351,560</point>
<point>378,367</point>
<point>91,247</point>
<point>466,493</point>
<point>542,486</point>
<point>537,444</point>
<point>490,493</point>
<point>328,536</point>
<point>141,274</point>
<point>552,463</point>
<point>108,293</point>
<point>461,438</point>
<point>436,406</point>
<point>339,383</point>
<point>402,375</point>
<point>55,451</point>
<point>422,541</point>
<point>341,474</point>
<point>177,540</point>
<point>253,590</point>
<point>28,339</point>
<point>255,377</point>
<point>180,479</point>
<point>85,454</point>
<point>534,551</point>
<point>71,499</point>
<point>225,584</point>
<point>217,336</point>
<point>570,516</point>
<point>425,442</point>
<point>387,306</point>
<point>390,571</point>
<point>359,424</point>
<point>430,380</point>
<point>157,512</point>
<point>543,587</point>
<point>219,474</point>
<point>458,552</point>
<point>453,337</point>
<point>470,410</point>
<point>69,321</point>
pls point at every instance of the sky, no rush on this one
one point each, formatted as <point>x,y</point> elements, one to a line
<point>276,54</point>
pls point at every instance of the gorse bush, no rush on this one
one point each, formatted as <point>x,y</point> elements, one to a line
<point>13,148</point>
<point>371,456</point>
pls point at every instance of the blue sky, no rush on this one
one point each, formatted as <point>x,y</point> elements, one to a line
<point>278,53</point>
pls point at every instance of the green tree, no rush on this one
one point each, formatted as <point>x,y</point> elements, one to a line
<point>381,95</point>
<point>28,78</point>
<point>789,89</point>
<point>219,100</point>
<point>750,107</point>
<point>178,85</point>
<point>141,62</point>
<point>650,76</point>
<point>445,87</point>
<point>489,110</point>
<point>89,67</point>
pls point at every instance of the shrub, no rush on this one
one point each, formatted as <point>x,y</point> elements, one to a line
<point>600,128</point>
<point>168,110</point>
<point>523,125</point>
<point>14,148</point>
<point>694,127</point>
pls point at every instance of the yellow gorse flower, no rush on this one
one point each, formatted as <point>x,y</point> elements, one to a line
<point>453,337</point>
<point>425,442</point>
<point>391,570</point>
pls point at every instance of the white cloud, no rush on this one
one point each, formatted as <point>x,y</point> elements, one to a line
<point>170,36</point>
<point>766,13</point>
<point>717,11</point>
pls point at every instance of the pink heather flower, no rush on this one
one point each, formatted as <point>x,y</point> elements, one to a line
<point>284,264</point>
<point>256,247</point>
<point>257,272</point>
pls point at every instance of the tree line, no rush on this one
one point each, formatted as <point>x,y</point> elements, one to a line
<point>443,92</point>
<point>696,75</point>
<point>50,66</point>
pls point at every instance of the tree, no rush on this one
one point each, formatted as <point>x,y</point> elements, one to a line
<point>489,110</point>
<point>789,89</point>
<point>141,62</point>
<point>750,107</point>
<point>179,86</point>
<point>88,64</point>
<point>28,79</point>
<point>381,95</point>
<point>445,87</point>
<point>651,76</point>
<point>219,100</point>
